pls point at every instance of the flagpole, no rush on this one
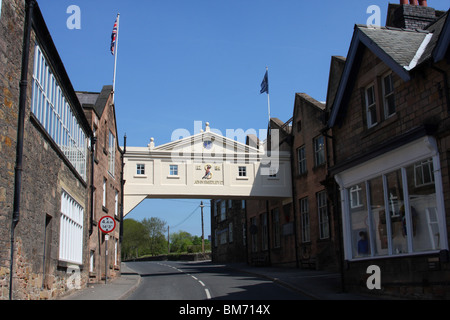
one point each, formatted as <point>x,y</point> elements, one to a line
<point>115,56</point>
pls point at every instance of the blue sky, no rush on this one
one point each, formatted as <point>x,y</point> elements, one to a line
<point>181,61</point>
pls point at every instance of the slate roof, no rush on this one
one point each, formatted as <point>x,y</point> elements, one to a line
<point>403,50</point>
<point>95,100</point>
<point>400,45</point>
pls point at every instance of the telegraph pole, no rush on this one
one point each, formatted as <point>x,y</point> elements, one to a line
<point>203,233</point>
<point>168,239</point>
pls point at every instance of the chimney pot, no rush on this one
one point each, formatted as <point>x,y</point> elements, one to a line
<point>413,2</point>
<point>403,1</point>
<point>423,3</point>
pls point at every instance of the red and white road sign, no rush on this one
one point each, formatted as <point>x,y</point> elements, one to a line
<point>107,224</point>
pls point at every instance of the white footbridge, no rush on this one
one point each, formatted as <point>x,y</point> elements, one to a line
<point>206,165</point>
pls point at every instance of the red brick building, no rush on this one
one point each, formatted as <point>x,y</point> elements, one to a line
<point>106,182</point>
<point>390,125</point>
<point>312,154</point>
<point>271,224</point>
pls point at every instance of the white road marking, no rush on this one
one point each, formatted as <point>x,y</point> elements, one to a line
<point>208,295</point>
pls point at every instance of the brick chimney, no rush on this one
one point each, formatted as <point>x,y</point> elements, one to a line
<point>412,14</point>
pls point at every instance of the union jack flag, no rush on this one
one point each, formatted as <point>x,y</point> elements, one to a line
<point>114,37</point>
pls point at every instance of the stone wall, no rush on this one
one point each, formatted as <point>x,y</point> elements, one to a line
<point>11,38</point>
<point>38,273</point>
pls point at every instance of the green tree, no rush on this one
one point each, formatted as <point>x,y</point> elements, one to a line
<point>180,241</point>
<point>156,229</point>
<point>135,239</point>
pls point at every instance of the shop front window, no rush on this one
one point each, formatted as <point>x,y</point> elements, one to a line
<point>395,213</point>
<point>359,221</point>
<point>380,223</point>
<point>396,207</point>
<point>423,207</point>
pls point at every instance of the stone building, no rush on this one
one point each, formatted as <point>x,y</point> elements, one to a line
<point>228,241</point>
<point>272,233</point>
<point>311,149</point>
<point>391,131</point>
<point>107,181</point>
<point>11,38</point>
<point>45,163</point>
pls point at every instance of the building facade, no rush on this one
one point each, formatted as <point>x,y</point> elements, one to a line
<point>391,131</point>
<point>318,239</point>
<point>45,137</point>
<point>61,168</point>
<point>272,226</point>
<point>106,183</point>
<point>228,241</point>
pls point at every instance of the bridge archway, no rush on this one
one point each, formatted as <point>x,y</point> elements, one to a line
<point>206,165</point>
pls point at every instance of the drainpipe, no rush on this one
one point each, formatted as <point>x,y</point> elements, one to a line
<point>20,132</point>
<point>290,141</point>
<point>91,225</point>
<point>336,207</point>
<point>122,183</point>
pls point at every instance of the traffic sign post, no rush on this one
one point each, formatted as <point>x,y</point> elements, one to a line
<point>107,225</point>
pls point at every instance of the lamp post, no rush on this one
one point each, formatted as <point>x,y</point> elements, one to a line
<point>203,234</point>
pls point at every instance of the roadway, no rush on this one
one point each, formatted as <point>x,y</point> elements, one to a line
<point>170,280</point>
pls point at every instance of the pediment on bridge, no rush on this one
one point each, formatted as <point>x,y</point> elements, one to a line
<point>208,142</point>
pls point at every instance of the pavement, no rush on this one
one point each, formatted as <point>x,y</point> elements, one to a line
<point>317,285</point>
<point>116,289</point>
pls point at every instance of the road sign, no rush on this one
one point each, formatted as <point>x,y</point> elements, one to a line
<point>107,224</point>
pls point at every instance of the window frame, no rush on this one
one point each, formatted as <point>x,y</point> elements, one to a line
<point>301,160</point>
<point>322,211</point>
<point>305,220</point>
<point>242,171</point>
<point>388,95</point>
<point>53,111</point>
<point>373,105</point>
<point>355,190</point>
<point>401,159</point>
<point>140,169</point>
<point>173,170</point>
<point>71,231</point>
<point>111,153</point>
<point>276,227</point>
<point>319,151</point>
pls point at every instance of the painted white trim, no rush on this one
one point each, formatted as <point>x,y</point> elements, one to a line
<point>419,52</point>
<point>398,158</point>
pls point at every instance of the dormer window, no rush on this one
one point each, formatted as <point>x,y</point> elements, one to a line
<point>379,100</point>
<point>371,106</point>
<point>388,96</point>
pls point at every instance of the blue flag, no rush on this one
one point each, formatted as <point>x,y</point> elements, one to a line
<point>265,83</point>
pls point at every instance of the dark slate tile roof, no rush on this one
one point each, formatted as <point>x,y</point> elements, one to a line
<point>95,100</point>
<point>400,45</point>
